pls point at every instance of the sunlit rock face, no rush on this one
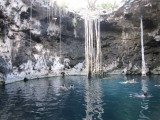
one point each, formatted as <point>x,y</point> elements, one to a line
<point>121,37</point>
<point>30,40</point>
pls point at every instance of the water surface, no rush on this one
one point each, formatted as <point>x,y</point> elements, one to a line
<point>97,99</point>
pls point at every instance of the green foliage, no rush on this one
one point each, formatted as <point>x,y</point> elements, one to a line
<point>74,22</point>
<point>64,5</point>
<point>124,0</point>
<point>109,6</point>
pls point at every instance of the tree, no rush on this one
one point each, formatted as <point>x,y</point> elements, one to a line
<point>109,5</point>
<point>91,4</point>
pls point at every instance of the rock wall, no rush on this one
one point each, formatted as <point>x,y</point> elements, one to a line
<point>121,38</point>
<point>30,36</point>
<point>30,40</point>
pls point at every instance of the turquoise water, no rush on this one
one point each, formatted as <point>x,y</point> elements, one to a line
<point>98,99</point>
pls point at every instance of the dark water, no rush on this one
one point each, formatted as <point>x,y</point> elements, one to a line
<point>98,99</point>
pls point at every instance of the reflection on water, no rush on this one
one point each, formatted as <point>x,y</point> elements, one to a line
<point>144,107</point>
<point>93,99</point>
<point>145,100</point>
<point>42,99</point>
<point>104,99</point>
<point>144,85</point>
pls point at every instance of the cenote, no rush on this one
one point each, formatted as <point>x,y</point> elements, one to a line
<point>79,59</point>
<point>95,99</point>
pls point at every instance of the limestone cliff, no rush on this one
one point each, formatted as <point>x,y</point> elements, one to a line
<point>121,37</point>
<point>31,33</point>
<point>31,36</point>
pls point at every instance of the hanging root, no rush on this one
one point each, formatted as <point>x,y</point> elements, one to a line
<point>93,52</point>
